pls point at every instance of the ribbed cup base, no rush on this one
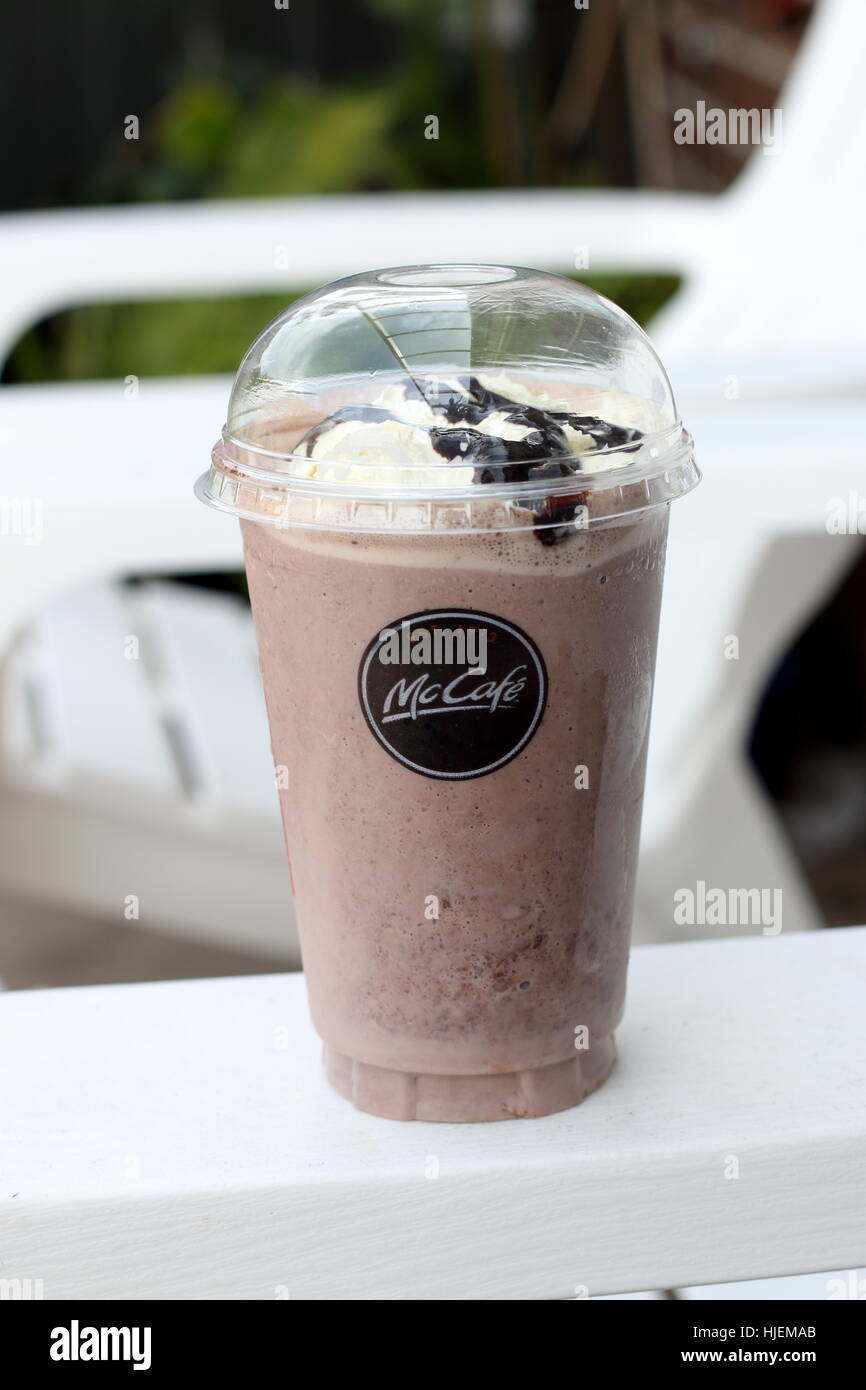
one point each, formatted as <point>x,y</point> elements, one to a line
<point>401,1095</point>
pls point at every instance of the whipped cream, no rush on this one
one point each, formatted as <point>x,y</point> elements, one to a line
<point>458,430</point>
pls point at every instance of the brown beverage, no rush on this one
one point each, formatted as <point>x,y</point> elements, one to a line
<point>459,703</point>
<point>465,940</point>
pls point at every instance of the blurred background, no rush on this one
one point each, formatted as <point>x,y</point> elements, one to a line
<point>251,102</point>
<point>264,101</point>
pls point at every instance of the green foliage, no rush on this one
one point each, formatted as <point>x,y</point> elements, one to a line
<point>196,125</point>
<point>293,136</point>
<point>301,138</point>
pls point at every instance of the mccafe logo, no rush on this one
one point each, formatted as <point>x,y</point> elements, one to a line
<point>452,693</point>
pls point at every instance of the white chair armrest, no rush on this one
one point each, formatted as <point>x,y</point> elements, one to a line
<point>53,260</point>
<point>100,486</point>
<point>178,1141</point>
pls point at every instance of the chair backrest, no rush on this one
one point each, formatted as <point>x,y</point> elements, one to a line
<point>824,118</point>
<point>783,268</point>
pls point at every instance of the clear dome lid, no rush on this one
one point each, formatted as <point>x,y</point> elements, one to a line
<point>449,397</point>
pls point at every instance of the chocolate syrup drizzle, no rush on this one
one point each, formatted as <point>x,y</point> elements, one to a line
<point>542,453</point>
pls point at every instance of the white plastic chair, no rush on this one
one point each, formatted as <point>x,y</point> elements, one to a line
<point>138,783</point>
<point>113,473</point>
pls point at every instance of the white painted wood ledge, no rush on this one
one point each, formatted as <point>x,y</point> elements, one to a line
<point>178,1141</point>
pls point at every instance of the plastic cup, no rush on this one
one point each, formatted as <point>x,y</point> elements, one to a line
<point>453,485</point>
